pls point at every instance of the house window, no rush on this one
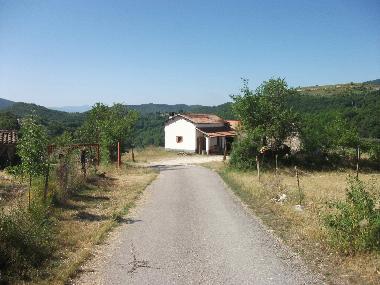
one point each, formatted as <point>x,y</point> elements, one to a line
<point>179,139</point>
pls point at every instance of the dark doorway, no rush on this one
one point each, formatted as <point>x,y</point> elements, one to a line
<point>229,141</point>
<point>201,144</point>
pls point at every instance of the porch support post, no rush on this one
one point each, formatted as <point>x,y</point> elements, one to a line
<point>208,145</point>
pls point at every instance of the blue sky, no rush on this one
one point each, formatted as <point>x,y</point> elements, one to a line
<point>59,53</point>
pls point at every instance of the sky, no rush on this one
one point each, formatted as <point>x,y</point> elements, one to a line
<point>70,53</point>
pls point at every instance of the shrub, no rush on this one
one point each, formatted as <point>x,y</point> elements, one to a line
<point>374,151</point>
<point>26,240</point>
<point>244,153</point>
<point>354,225</point>
<point>325,133</point>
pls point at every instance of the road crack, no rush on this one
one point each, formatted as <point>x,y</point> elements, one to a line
<point>136,264</point>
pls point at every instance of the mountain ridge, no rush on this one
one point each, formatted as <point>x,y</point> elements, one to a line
<point>146,108</point>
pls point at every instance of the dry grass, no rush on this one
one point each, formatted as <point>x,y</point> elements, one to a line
<point>304,230</point>
<point>86,218</point>
<point>10,189</point>
<point>150,154</point>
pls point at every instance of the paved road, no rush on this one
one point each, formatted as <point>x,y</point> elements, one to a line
<point>190,229</point>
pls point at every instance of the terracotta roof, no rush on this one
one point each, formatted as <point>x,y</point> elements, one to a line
<point>225,131</point>
<point>202,118</point>
<point>8,137</point>
<point>233,123</point>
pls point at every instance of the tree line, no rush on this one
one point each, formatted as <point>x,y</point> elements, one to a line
<point>270,116</point>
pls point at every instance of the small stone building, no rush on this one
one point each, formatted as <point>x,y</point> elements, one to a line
<point>199,133</point>
<point>8,142</point>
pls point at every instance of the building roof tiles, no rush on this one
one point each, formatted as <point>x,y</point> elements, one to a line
<point>8,137</point>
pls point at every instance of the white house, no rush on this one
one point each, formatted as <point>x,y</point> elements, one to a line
<point>200,133</point>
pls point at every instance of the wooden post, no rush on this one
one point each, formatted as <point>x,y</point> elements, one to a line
<point>98,154</point>
<point>46,181</point>
<point>258,167</point>
<point>357,161</point>
<point>298,184</point>
<point>83,161</point>
<point>118,154</point>
<point>30,186</point>
<point>133,155</point>
<point>276,164</point>
<point>225,152</point>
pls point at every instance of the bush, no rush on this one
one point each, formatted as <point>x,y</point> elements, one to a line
<point>372,147</point>
<point>26,241</point>
<point>243,155</point>
<point>327,132</point>
<point>354,225</point>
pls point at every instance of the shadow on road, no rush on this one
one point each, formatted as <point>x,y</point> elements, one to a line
<point>162,167</point>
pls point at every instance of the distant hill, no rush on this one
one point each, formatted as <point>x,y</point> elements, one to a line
<point>151,108</point>
<point>55,121</point>
<point>72,109</point>
<point>150,123</point>
<point>340,89</point>
<point>374,82</point>
<point>4,103</point>
<point>223,110</point>
<point>357,102</point>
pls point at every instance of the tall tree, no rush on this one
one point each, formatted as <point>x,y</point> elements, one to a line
<point>264,113</point>
<point>108,126</point>
<point>32,149</point>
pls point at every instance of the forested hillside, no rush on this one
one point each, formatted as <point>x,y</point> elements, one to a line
<point>361,110</point>
<point>56,122</point>
<point>359,104</point>
<point>4,103</point>
<point>149,129</point>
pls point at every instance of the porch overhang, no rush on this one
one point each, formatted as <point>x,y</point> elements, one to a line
<point>218,132</point>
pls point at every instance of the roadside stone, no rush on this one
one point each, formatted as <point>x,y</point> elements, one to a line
<point>298,208</point>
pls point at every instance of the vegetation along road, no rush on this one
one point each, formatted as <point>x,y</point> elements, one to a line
<point>190,229</point>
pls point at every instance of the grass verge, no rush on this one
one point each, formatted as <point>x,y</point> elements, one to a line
<point>86,218</point>
<point>149,154</point>
<point>303,230</point>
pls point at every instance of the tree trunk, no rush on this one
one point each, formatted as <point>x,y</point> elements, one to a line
<point>133,155</point>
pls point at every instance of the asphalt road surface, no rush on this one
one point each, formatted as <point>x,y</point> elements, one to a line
<point>190,229</point>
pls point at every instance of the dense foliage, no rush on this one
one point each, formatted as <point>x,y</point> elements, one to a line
<point>323,132</point>
<point>26,241</point>
<point>108,126</point>
<point>8,121</point>
<point>360,110</point>
<point>244,153</point>
<point>266,121</point>
<point>32,149</point>
<point>150,130</point>
<point>329,128</point>
<point>264,113</point>
<point>355,224</point>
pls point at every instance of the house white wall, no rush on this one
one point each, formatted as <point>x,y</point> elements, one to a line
<point>183,128</point>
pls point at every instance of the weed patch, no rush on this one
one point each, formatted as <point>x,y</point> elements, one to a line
<point>26,241</point>
<point>354,226</point>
